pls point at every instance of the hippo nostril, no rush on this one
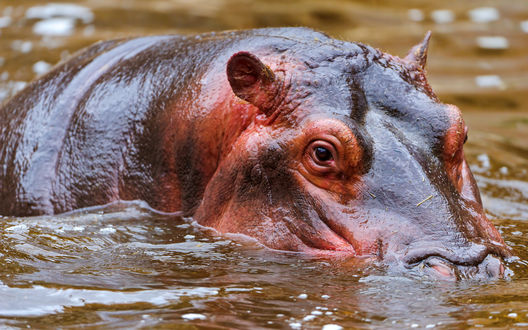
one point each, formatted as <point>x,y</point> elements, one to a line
<point>478,261</point>
<point>443,270</point>
<point>492,267</point>
<point>440,268</point>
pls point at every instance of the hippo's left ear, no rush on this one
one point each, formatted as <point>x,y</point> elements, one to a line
<point>418,53</point>
<point>252,81</point>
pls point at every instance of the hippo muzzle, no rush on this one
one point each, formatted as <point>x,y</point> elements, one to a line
<point>477,262</point>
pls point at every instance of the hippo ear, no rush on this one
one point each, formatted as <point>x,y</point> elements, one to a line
<point>252,80</point>
<point>418,53</point>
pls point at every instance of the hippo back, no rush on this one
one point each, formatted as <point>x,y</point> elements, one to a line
<point>95,128</point>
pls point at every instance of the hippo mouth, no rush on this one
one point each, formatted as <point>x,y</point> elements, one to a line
<point>476,262</point>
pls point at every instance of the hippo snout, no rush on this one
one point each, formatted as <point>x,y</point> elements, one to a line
<point>444,265</point>
<point>492,267</point>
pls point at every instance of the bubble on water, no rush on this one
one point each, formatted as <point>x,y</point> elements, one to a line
<point>489,81</point>
<point>8,11</point>
<point>512,315</point>
<point>302,296</point>
<point>22,46</point>
<point>414,325</point>
<point>189,237</point>
<point>316,313</point>
<point>62,26</point>
<point>415,15</point>
<point>309,318</point>
<point>442,16</point>
<point>5,21</point>
<point>89,30</point>
<point>41,67</point>
<point>484,14</point>
<point>332,327</point>
<point>325,296</point>
<point>493,42</point>
<point>524,26</point>
<point>430,326</point>
<point>26,47</point>
<point>516,233</point>
<point>295,325</point>
<point>484,161</point>
<point>60,10</point>
<point>193,316</point>
<point>503,170</point>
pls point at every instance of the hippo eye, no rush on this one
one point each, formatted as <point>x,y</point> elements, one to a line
<point>322,154</point>
<point>465,139</point>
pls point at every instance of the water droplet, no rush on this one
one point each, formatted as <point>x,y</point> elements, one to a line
<point>443,16</point>
<point>295,325</point>
<point>484,14</point>
<point>488,81</point>
<point>60,10</point>
<point>415,15</point>
<point>41,67</point>
<point>5,21</point>
<point>332,327</point>
<point>193,316</point>
<point>524,26</point>
<point>493,42</point>
<point>61,26</point>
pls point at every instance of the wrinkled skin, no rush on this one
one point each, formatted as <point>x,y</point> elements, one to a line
<point>303,142</point>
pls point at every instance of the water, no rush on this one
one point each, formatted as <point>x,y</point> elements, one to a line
<point>126,266</point>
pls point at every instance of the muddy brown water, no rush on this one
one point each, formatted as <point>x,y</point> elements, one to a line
<point>124,266</point>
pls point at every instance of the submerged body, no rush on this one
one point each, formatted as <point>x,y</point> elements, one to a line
<point>301,141</point>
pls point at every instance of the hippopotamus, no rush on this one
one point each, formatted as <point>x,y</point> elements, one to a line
<point>300,141</point>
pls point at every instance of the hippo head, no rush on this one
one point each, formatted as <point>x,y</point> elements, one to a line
<point>350,153</point>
